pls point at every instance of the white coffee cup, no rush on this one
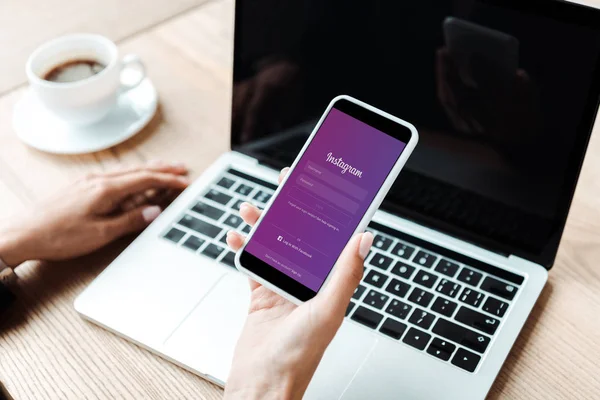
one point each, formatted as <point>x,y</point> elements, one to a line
<point>88,100</point>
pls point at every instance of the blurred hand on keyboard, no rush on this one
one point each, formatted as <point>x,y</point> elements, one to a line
<point>90,213</point>
<point>282,344</point>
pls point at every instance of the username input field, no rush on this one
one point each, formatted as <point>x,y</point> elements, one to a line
<point>336,181</point>
<point>326,193</point>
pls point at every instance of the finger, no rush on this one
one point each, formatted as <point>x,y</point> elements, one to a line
<point>115,189</point>
<point>253,284</point>
<point>283,173</point>
<point>176,168</point>
<point>249,213</point>
<point>235,240</point>
<point>131,221</point>
<point>347,275</point>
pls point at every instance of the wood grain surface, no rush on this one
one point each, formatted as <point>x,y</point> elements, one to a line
<point>25,24</point>
<point>47,351</point>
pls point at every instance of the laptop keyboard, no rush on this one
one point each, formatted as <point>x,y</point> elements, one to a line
<point>420,294</point>
<point>203,227</point>
<point>425,296</point>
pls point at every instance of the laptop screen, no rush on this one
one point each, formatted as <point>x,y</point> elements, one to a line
<point>504,96</point>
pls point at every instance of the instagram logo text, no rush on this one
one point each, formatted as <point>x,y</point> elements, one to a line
<point>343,166</point>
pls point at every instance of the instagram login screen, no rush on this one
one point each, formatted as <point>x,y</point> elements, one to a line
<point>324,199</point>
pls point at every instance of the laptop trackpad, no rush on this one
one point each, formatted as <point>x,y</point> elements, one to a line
<point>344,356</point>
<point>206,339</point>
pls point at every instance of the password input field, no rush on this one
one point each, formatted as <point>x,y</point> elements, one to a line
<point>326,193</point>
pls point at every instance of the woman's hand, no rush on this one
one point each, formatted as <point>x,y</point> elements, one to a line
<point>282,344</point>
<point>90,213</point>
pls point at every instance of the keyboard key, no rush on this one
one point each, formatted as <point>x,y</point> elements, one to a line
<point>212,251</point>
<point>424,259</point>
<point>243,189</point>
<point>403,250</point>
<point>200,226</point>
<point>398,309</point>
<point>193,243</point>
<point>463,336</point>
<point>469,276</point>
<point>441,349</point>
<point>471,297</point>
<point>358,292</point>
<point>416,338</point>
<point>425,278</point>
<point>500,289</point>
<point>262,197</point>
<point>237,204</point>
<point>446,267</point>
<point>448,288</point>
<point>443,306</point>
<point>233,220</point>
<point>421,318</point>
<point>246,229</point>
<point>226,183</point>
<point>229,259</point>
<point>466,360</point>
<point>420,297</point>
<point>367,317</point>
<point>403,270</point>
<point>208,211</point>
<point>376,299</point>
<point>349,308</point>
<point>398,288</point>
<point>218,196</point>
<point>477,320</point>
<point>392,328</point>
<point>496,307</point>
<point>375,278</point>
<point>174,235</point>
<point>224,238</point>
<point>381,242</point>
<point>380,261</point>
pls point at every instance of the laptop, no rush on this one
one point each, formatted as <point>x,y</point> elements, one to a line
<point>463,241</point>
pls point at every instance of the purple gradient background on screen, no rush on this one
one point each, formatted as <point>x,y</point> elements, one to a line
<point>361,146</point>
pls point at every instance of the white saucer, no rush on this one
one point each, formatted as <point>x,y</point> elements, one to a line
<point>39,129</point>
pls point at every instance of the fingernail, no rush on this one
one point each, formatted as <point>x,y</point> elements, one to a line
<point>184,180</point>
<point>155,162</point>
<point>230,238</point>
<point>151,213</point>
<point>244,205</point>
<point>366,241</point>
<point>283,172</point>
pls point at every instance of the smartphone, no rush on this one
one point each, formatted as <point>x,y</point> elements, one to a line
<point>333,188</point>
<point>465,40</point>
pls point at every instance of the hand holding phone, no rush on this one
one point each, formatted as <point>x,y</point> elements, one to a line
<point>301,333</point>
<point>334,187</point>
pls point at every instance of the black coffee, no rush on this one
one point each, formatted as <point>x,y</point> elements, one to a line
<point>73,71</point>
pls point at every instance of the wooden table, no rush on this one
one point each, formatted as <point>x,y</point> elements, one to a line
<point>47,351</point>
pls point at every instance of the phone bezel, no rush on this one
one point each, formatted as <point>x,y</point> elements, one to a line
<point>281,283</point>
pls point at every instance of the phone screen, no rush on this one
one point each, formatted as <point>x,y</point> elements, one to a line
<point>324,199</point>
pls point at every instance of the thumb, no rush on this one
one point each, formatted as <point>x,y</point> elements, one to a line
<point>133,220</point>
<point>346,276</point>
